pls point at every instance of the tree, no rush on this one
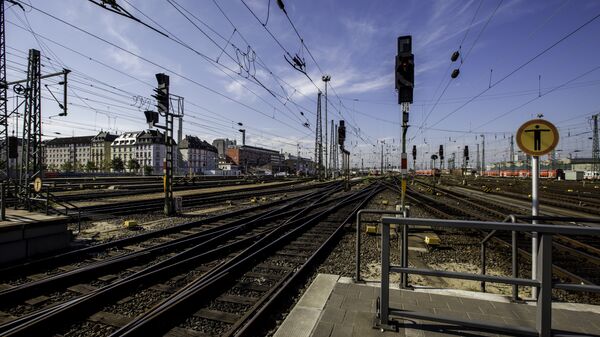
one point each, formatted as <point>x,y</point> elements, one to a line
<point>147,170</point>
<point>90,166</point>
<point>133,165</point>
<point>67,166</point>
<point>117,164</point>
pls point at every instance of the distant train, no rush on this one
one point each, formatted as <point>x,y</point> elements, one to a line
<point>550,174</point>
<point>428,173</point>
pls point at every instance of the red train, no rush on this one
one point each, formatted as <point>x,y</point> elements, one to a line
<point>428,173</point>
<point>551,174</point>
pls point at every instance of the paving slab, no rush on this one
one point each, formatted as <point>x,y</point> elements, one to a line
<point>303,318</point>
<point>350,311</point>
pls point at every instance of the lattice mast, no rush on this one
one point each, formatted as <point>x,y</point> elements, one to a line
<point>4,155</point>
<point>595,149</point>
<point>319,140</point>
<point>31,151</point>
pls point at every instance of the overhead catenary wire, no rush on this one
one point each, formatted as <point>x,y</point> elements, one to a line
<point>523,65</point>
<point>145,59</point>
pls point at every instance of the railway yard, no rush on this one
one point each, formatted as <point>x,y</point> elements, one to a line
<point>258,168</point>
<point>239,255</point>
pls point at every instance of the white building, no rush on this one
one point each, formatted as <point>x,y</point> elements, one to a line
<point>145,147</point>
<point>67,154</point>
<point>197,156</point>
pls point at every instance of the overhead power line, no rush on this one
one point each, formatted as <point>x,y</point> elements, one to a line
<point>517,69</point>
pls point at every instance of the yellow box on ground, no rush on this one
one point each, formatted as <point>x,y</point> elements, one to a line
<point>130,224</point>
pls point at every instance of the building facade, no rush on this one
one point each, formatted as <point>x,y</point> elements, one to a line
<point>197,156</point>
<point>146,148</point>
<point>100,153</point>
<point>67,154</point>
<point>251,158</point>
<point>222,144</point>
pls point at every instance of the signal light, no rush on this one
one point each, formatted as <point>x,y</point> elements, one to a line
<point>405,70</point>
<point>441,152</point>
<point>414,152</point>
<point>455,73</point>
<point>454,56</point>
<point>342,133</point>
<point>466,152</point>
<point>405,77</point>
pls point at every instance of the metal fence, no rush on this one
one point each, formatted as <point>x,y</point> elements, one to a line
<point>542,280</point>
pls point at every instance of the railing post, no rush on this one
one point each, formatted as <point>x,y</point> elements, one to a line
<point>358,226</point>
<point>47,198</point>
<point>384,299</point>
<point>483,265</point>
<point>404,276</point>
<point>544,276</point>
<point>515,266</point>
<point>2,202</point>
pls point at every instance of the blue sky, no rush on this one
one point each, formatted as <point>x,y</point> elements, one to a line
<point>353,41</point>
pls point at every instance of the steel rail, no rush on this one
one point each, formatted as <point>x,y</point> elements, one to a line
<point>44,320</point>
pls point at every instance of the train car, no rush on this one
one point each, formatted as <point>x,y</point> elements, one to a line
<point>428,173</point>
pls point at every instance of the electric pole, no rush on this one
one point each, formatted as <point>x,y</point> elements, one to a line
<point>31,166</point>
<point>595,149</point>
<point>4,155</point>
<point>319,140</point>
<point>298,160</point>
<point>482,154</point>
<point>326,79</point>
<point>512,153</point>
<point>331,146</point>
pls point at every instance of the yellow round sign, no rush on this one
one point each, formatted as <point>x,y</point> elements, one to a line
<point>537,137</point>
<point>37,184</point>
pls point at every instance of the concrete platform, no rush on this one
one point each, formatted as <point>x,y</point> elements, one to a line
<point>26,234</point>
<point>349,310</point>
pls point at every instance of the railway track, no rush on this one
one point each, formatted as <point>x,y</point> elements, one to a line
<point>571,260</point>
<point>127,207</point>
<point>103,191</point>
<point>243,266</point>
<point>576,200</point>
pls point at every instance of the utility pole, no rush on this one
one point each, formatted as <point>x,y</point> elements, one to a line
<point>382,157</point>
<point>319,140</point>
<point>595,149</point>
<point>31,166</point>
<point>477,162</point>
<point>331,146</point>
<point>512,154</point>
<point>298,159</point>
<point>4,155</point>
<point>335,153</point>
<point>441,153</point>
<point>345,154</point>
<point>326,79</point>
<point>482,154</point>
<point>243,131</point>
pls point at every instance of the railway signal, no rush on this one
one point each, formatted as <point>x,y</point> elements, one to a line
<point>404,78</point>
<point>405,70</point>
<point>163,98</point>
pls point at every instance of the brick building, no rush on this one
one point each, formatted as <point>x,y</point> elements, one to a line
<point>251,158</point>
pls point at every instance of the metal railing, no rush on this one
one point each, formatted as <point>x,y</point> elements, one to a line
<point>405,213</point>
<point>514,218</point>
<point>543,277</point>
<point>69,209</point>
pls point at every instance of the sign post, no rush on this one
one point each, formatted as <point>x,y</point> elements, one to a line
<point>536,137</point>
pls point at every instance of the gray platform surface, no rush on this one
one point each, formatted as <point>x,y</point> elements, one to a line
<point>350,311</point>
<point>18,217</point>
